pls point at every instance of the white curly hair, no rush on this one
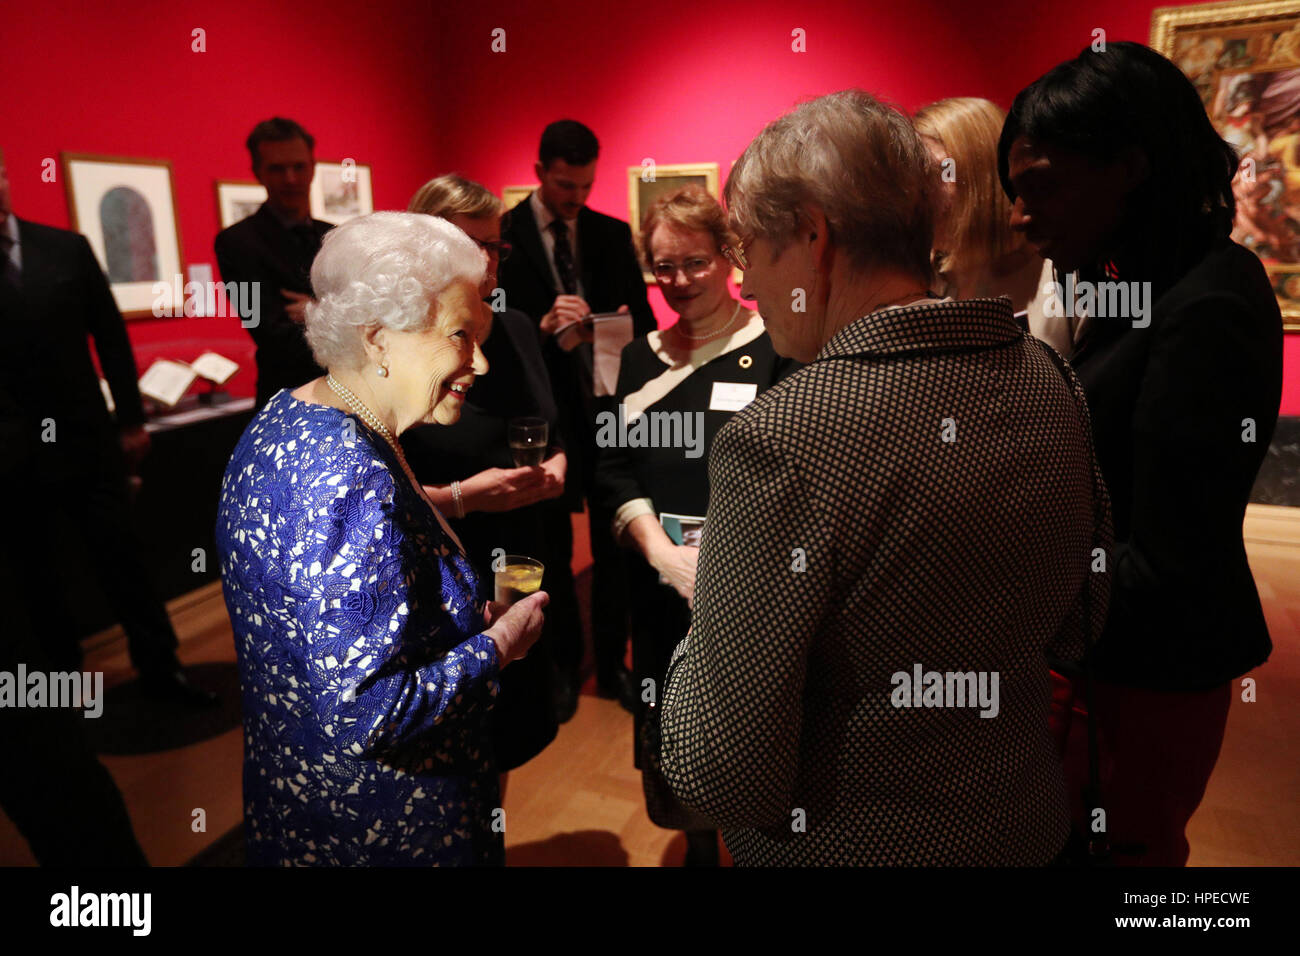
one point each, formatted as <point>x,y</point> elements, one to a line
<point>384,269</point>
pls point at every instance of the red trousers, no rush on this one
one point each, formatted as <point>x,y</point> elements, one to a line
<point>1157,750</point>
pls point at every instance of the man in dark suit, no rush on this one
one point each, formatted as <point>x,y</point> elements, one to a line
<point>63,451</point>
<point>572,262</point>
<point>273,249</point>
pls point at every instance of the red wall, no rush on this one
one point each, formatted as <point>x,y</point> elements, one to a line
<point>416,90</point>
<point>121,79</point>
<point>680,81</point>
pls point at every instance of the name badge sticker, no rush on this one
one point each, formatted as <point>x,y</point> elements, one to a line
<point>732,396</point>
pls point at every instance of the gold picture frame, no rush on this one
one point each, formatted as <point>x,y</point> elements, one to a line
<point>1244,60</point>
<point>126,209</point>
<point>649,181</point>
<point>512,196</point>
<point>237,199</point>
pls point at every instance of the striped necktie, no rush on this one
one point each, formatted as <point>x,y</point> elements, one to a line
<point>564,256</point>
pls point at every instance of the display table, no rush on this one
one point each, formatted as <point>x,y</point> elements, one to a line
<point>175,507</point>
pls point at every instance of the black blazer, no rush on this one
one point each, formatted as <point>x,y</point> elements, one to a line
<point>1169,405</point>
<point>45,367</point>
<point>610,278</point>
<point>259,249</point>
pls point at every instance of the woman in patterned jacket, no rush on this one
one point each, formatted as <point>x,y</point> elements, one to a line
<point>897,534</point>
<point>367,664</point>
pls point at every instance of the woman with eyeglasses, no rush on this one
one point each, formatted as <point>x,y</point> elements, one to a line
<point>468,471</point>
<point>714,360</point>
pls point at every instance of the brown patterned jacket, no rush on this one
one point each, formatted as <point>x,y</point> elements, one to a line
<point>922,494</point>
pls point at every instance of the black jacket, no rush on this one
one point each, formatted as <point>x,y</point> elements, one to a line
<point>259,249</point>
<point>45,366</point>
<point>1182,413</point>
<point>610,278</point>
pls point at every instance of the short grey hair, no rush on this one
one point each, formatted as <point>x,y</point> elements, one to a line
<point>385,269</point>
<point>858,159</point>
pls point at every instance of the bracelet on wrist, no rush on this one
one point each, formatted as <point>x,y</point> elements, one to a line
<point>458,503</point>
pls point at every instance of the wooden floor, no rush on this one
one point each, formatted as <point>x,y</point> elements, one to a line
<point>580,803</point>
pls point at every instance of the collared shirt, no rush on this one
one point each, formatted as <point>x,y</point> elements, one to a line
<point>15,251</point>
<point>544,220</point>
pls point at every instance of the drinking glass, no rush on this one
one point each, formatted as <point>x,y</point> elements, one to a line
<point>528,441</point>
<point>519,577</point>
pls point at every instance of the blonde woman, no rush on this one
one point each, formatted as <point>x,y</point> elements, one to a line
<point>468,470</point>
<point>976,254</point>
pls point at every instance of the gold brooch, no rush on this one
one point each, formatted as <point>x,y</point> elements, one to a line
<point>746,361</point>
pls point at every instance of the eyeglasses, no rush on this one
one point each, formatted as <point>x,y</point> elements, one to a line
<point>736,255</point>
<point>694,268</point>
<point>496,247</point>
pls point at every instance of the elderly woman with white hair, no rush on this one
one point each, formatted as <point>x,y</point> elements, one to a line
<point>368,665</point>
<point>897,534</point>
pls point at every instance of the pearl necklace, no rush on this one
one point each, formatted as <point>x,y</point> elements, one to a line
<point>712,335</point>
<point>361,410</point>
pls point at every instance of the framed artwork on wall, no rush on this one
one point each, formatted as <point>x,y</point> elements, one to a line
<point>1244,60</point>
<point>238,199</point>
<point>646,183</point>
<point>341,191</point>
<point>126,209</point>
<point>512,196</point>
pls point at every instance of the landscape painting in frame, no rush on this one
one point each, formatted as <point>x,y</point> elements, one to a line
<point>341,191</point>
<point>512,196</point>
<point>237,199</point>
<point>1244,60</point>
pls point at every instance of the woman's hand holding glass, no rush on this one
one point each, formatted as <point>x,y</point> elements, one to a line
<point>515,628</point>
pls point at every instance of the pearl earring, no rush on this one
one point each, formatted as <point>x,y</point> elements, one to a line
<point>382,371</point>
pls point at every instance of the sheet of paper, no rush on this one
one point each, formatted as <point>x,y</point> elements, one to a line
<point>215,368</point>
<point>167,381</point>
<point>611,334</point>
<point>205,301</point>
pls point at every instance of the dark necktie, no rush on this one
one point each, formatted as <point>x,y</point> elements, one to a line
<point>564,257</point>
<point>306,235</point>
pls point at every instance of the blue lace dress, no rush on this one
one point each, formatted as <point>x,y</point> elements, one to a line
<point>367,681</point>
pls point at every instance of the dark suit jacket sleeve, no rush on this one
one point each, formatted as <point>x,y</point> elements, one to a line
<point>111,342</point>
<point>275,331</point>
<point>1189,459</point>
<point>632,286</point>
<point>732,704</point>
